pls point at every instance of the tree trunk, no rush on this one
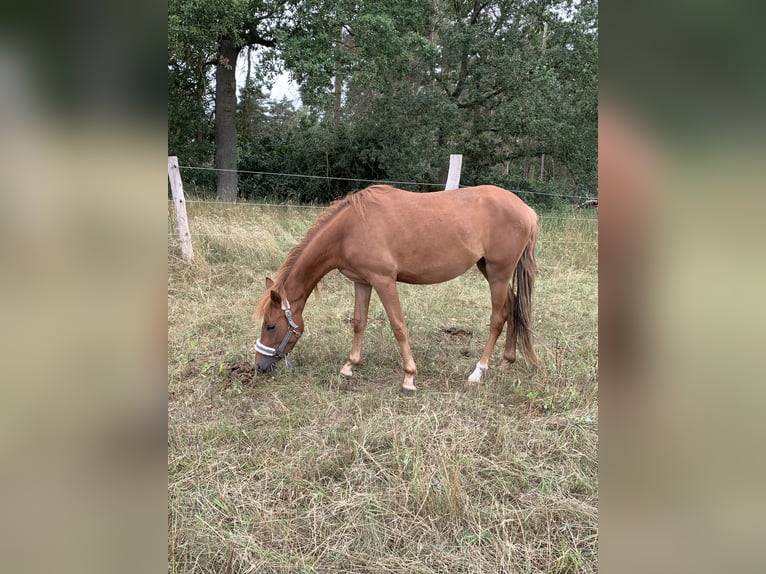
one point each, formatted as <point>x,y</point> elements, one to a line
<point>247,94</point>
<point>346,42</point>
<point>441,145</point>
<point>336,109</point>
<point>225,121</point>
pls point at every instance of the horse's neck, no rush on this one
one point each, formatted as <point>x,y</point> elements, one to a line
<point>316,260</point>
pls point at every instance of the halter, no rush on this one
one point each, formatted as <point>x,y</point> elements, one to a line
<point>280,351</point>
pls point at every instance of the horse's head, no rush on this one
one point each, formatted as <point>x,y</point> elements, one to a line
<point>280,330</point>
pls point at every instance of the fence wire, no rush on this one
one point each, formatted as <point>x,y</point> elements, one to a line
<point>388,181</point>
<point>174,236</point>
<point>321,207</point>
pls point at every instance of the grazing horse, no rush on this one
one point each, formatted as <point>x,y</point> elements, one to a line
<point>381,235</point>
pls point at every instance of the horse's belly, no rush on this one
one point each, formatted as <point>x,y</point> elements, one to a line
<point>430,273</point>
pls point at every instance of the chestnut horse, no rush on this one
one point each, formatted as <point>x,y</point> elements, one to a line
<point>381,235</point>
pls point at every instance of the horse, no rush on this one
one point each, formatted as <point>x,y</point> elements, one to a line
<point>382,235</point>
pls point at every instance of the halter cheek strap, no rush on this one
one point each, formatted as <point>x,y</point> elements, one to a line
<point>280,351</point>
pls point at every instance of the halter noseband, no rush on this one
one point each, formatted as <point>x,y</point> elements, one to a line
<point>279,352</point>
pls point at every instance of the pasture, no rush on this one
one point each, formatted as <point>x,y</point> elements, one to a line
<point>304,471</point>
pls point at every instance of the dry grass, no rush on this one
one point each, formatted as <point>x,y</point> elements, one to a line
<point>305,472</point>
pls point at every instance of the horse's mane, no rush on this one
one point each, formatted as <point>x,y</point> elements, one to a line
<point>357,199</point>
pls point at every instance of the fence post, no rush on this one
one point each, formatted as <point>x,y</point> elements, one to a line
<point>182,222</point>
<point>453,177</point>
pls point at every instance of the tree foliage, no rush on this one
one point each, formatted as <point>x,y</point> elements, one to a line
<point>391,87</point>
<point>214,32</point>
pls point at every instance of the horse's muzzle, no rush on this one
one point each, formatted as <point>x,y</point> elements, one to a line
<point>266,364</point>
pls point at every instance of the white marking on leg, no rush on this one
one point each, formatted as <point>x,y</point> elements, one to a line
<point>347,370</point>
<point>409,382</point>
<point>475,377</point>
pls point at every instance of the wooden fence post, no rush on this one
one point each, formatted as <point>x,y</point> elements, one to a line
<point>182,222</point>
<point>453,177</point>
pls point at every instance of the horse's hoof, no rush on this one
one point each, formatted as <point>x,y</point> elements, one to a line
<point>406,392</point>
<point>475,377</point>
<point>505,365</point>
<point>347,371</point>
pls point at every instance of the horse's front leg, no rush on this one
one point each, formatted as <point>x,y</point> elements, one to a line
<point>389,297</point>
<point>362,294</point>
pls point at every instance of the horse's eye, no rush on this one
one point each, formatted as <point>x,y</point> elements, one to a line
<point>270,327</point>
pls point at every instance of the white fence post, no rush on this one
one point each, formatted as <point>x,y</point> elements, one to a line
<point>182,222</point>
<point>453,177</point>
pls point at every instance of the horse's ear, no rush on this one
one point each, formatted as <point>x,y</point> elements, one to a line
<point>276,299</point>
<point>269,283</point>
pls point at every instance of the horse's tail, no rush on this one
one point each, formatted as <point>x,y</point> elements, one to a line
<point>524,278</point>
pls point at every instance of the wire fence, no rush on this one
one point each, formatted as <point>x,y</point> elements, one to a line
<point>540,240</point>
<point>322,177</point>
<point>269,205</point>
<point>372,181</point>
<point>321,207</point>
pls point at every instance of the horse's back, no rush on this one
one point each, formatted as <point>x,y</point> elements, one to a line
<point>434,237</point>
<point>470,211</point>
<point>466,202</point>
<point>503,201</point>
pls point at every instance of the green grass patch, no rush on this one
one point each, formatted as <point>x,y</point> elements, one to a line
<point>304,471</point>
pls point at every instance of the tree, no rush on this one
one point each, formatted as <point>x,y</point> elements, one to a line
<point>391,88</point>
<point>215,32</point>
<point>190,99</point>
<point>507,83</point>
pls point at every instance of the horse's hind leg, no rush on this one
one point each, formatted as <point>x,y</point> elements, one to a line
<point>499,292</point>
<point>509,354</point>
<point>362,294</point>
<point>389,297</point>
